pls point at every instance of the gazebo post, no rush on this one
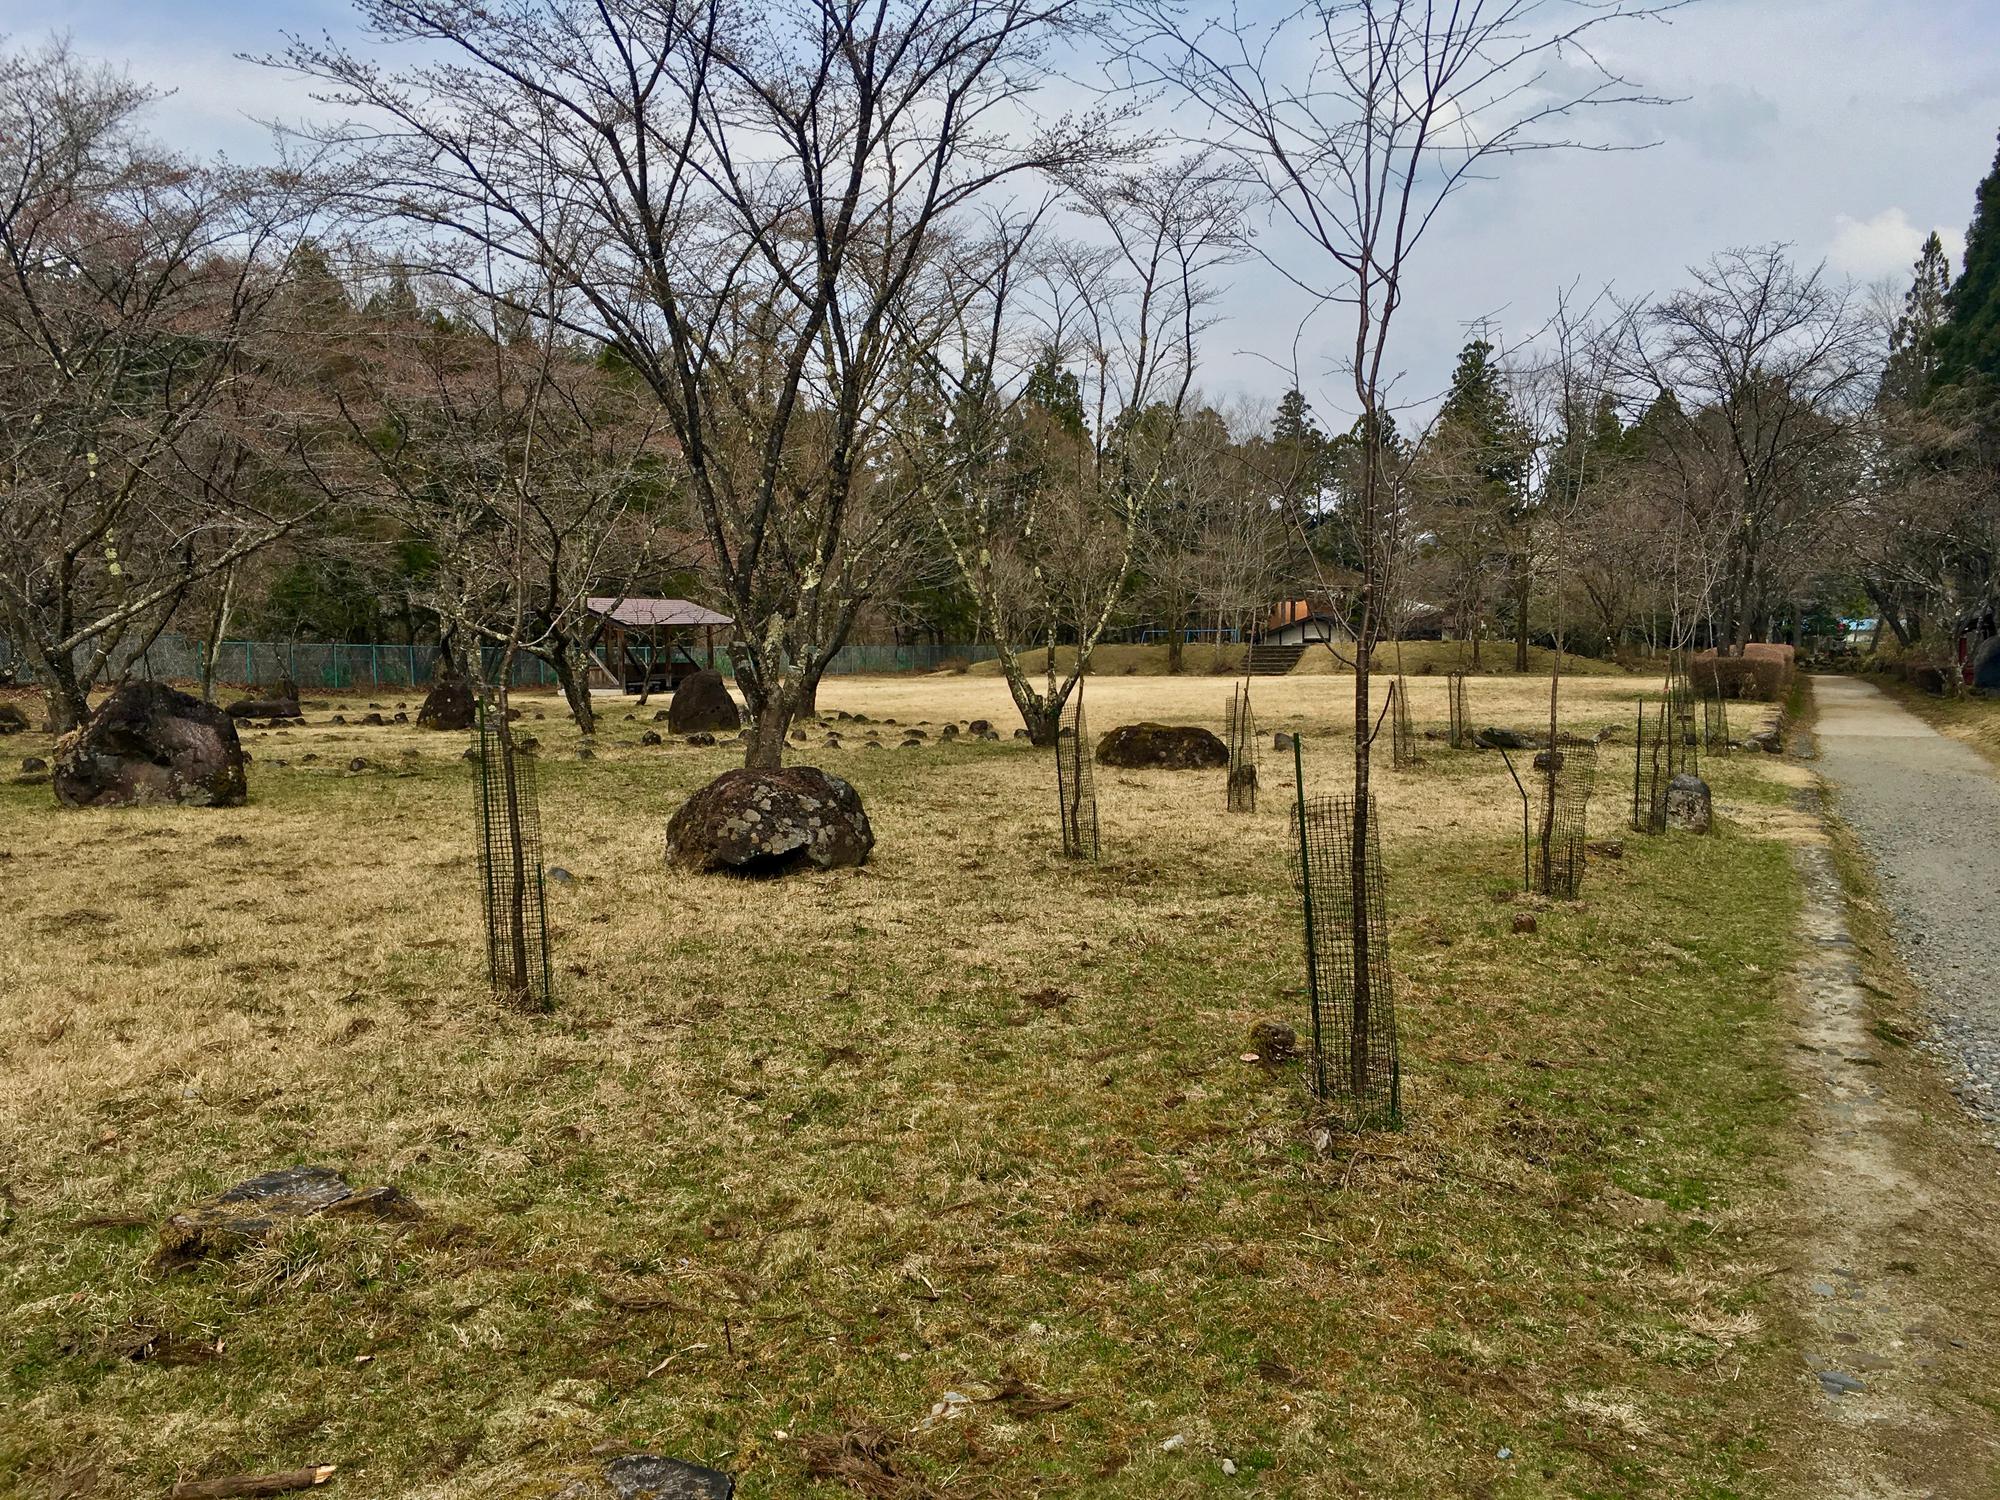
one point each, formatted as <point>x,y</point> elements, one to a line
<point>708,634</point>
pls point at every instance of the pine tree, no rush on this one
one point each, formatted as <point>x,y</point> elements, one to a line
<point>1969,343</point>
<point>1299,450</point>
<point>1911,371</point>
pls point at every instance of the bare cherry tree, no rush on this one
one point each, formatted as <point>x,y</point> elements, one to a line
<point>1771,367</point>
<point>740,199</point>
<point>145,419</point>
<point>1356,121</point>
<point>1065,410</point>
<point>534,473</point>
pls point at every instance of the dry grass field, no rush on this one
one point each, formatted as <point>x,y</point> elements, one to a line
<point>939,1178</point>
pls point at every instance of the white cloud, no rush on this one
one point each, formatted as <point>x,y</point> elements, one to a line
<point>1883,244</point>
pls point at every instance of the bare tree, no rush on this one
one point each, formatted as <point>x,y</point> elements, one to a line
<point>1064,410</point>
<point>741,201</point>
<point>1357,120</point>
<point>1771,368</point>
<point>534,473</point>
<point>145,424</point>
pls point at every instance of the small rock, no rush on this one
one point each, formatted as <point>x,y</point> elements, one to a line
<point>1524,921</point>
<point>1835,1383</point>
<point>650,737</point>
<point>357,765</point>
<point>31,764</point>
<point>649,1476</point>
<point>559,876</point>
<point>1174,1444</point>
<point>1281,741</point>
<point>241,1216</point>
<point>1690,808</point>
<point>702,738</point>
<point>1274,1042</point>
<point>1605,848</point>
<point>1229,1468</point>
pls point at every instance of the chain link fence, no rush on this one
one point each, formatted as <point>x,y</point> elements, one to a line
<point>323,666</point>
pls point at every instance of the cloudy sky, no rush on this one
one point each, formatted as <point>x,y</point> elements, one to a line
<point>1847,128</point>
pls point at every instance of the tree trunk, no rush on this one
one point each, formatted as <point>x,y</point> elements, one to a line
<point>218,625</point>
<point>68,700</point>
<point>1521,590</point>
<point>1176,647</point>
<point>772,705</point>
<point>572,664</point>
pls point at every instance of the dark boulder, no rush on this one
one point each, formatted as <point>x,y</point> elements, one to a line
<point>449,705</point>
<point>702,703</point>
<point>263,708</point>
<point>241,1216</point>
<point>650,737</point>
<point>150,743</point>
<point>1171,747</point>
<point>1985,673</point>
<point>755,822</point>
<point>30,764</point>
<point>1506,739</point>
<point>980,727</point>
<point>12,720</point>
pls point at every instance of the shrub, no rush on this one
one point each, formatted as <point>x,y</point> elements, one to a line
<point>1762,672</point>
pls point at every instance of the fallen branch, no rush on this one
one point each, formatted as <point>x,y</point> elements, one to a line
<point>253,1484</point>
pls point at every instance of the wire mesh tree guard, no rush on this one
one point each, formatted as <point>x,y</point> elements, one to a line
<point>1241,792</point>
<point>1665,746</point>
<point>1714,716</point>
<point>1355,1067</point>
<point>1459,733</point>
<point>510,863</point>
<point>1076,794</point>
<point>1402,738</point>
<point>1563,776</point>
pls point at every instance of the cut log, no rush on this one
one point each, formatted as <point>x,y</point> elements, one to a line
<point>254,1484</point>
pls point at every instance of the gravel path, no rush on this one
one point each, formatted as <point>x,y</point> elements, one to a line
<point>1927,810</point>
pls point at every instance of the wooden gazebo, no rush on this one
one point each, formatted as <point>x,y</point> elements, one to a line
<point>644,643</point>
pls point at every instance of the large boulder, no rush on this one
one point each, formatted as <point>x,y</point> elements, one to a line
<point>1985,672</point>
<point>149,743</point>
<point>263,708</point>
<point>702,704</point>
<point>1169,747</point>
<point>1689,806</point>
<point>12,720</point>
<point>754,822</point>
<point>450,704</point>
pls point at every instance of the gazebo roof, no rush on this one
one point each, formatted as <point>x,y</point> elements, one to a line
<point>646,613</point>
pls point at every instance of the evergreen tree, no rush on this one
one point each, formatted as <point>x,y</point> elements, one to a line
<point>1301,456</point>
<point>1911,371</point>
<point>1969,344</point>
